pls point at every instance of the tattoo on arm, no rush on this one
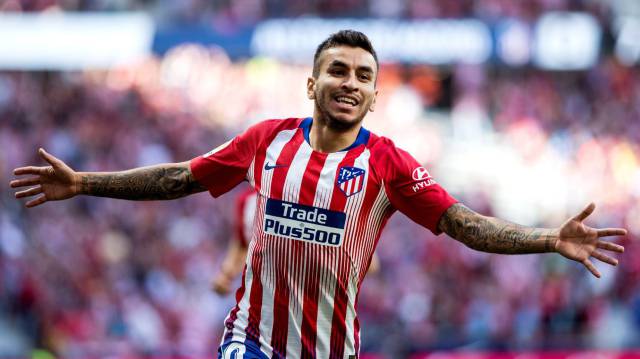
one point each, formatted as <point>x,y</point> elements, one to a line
<point>147,183</point>
<point>494,235</point>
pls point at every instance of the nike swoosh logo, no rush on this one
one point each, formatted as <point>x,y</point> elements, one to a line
<point>268,167</point>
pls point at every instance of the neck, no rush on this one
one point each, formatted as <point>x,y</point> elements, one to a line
<point>327,139</point>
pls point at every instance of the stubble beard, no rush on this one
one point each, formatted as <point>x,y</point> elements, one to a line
<point>331,121</point>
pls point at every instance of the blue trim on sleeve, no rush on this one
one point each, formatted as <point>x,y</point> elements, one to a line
<point>362,139</point>
<point>305,125</point>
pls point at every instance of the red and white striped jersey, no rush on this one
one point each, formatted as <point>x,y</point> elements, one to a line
<point>318,220</point>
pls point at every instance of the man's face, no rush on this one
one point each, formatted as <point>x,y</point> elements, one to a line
<point>345,87</point>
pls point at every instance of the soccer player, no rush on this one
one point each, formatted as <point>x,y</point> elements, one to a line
<point>326,187</point>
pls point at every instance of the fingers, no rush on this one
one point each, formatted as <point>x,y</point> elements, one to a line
<point>31,170</point>
<point>36,202</point>
<point>605,232</point>
<point>585,212</point>
<point>25,182</point>
<point>610,246</point>
<point>49,158</point>
<point>220,286</point>
<point>587,263</point>
<point>604,258</point>
<point>29,192</point>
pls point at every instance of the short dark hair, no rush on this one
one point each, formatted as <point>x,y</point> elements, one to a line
<point>344,38</point>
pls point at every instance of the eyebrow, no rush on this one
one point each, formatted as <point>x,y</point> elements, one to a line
<point>338,63</point>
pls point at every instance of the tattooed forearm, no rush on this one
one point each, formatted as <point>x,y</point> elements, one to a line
<point>494,235</point>
<point>168,181</point>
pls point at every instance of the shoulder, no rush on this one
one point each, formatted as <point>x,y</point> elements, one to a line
<point>274,125</point>
<point>267,129</point>
<point>383,150</point>
<point>389,160</point>
<point>380,144</point>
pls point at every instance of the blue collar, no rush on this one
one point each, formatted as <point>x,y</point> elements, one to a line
<point>363,134</point>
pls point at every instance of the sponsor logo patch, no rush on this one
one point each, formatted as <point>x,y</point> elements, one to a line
<point>350,180</point>
<point>304,223</point>
<point>423,179</point>
<point>420,173</point>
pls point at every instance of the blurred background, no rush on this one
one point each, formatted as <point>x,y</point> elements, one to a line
<point>526,110</point>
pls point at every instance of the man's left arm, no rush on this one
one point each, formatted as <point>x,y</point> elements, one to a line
<point>574,240</point>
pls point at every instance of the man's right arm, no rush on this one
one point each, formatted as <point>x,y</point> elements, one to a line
<point>159,182</point>
<point>58,181</point>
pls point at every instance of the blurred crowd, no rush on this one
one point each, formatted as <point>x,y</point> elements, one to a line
<point>90,277</point>
<point>251,11</point>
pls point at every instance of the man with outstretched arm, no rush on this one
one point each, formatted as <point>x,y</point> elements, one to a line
<point>326,187</point>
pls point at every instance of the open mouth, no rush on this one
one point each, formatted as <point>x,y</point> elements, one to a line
<point>347,100</point>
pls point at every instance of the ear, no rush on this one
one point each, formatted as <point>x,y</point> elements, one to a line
<point>311,84</point>
<point>372,107</point>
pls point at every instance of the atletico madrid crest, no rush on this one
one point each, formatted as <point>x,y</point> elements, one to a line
<point>350,180</point>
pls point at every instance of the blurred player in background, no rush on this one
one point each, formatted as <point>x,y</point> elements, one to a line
<point>326,188</point>
<point>236,255</point>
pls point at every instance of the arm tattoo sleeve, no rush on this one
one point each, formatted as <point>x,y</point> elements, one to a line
<point>494,235</point>
<point>160,182</point>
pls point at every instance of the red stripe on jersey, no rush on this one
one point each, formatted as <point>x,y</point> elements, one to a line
<point>281,297</point>
<point>312,278</point>
<point>310,306</point>
<point>257,169</point>
<point>234,312</point>
<point>281,300</point>
<point>338,198</point>
<point>261,153</point>
<point>338,323</point>
<point>365,212</point>
<point>310,178</point>
<point>255,296</point>
<point>284,159</point>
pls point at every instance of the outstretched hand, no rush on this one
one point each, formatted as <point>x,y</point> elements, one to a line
<point>579,242</point>
<point>54,182</point>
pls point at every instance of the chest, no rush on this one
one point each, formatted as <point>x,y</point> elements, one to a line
<point>294,172</point>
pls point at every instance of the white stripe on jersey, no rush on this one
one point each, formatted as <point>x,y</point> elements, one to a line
<point>324,190</point>
<point>269,255</point>
<point>325,302</point>
<point>273,152</point>
<point>291,193</point>
<point>242,315</point>
<point>251,178</point>
<point>294,326</point>
<point>352,208</point>
<point>268,285</point>
<point>295,172</point>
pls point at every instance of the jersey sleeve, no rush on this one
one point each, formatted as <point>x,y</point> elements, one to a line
<point>226,166</point>
<point>412,190</point>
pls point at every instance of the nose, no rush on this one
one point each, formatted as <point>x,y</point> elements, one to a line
<point>349,83</point>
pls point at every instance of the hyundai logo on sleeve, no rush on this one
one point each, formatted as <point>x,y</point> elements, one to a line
<point>423,179</point>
